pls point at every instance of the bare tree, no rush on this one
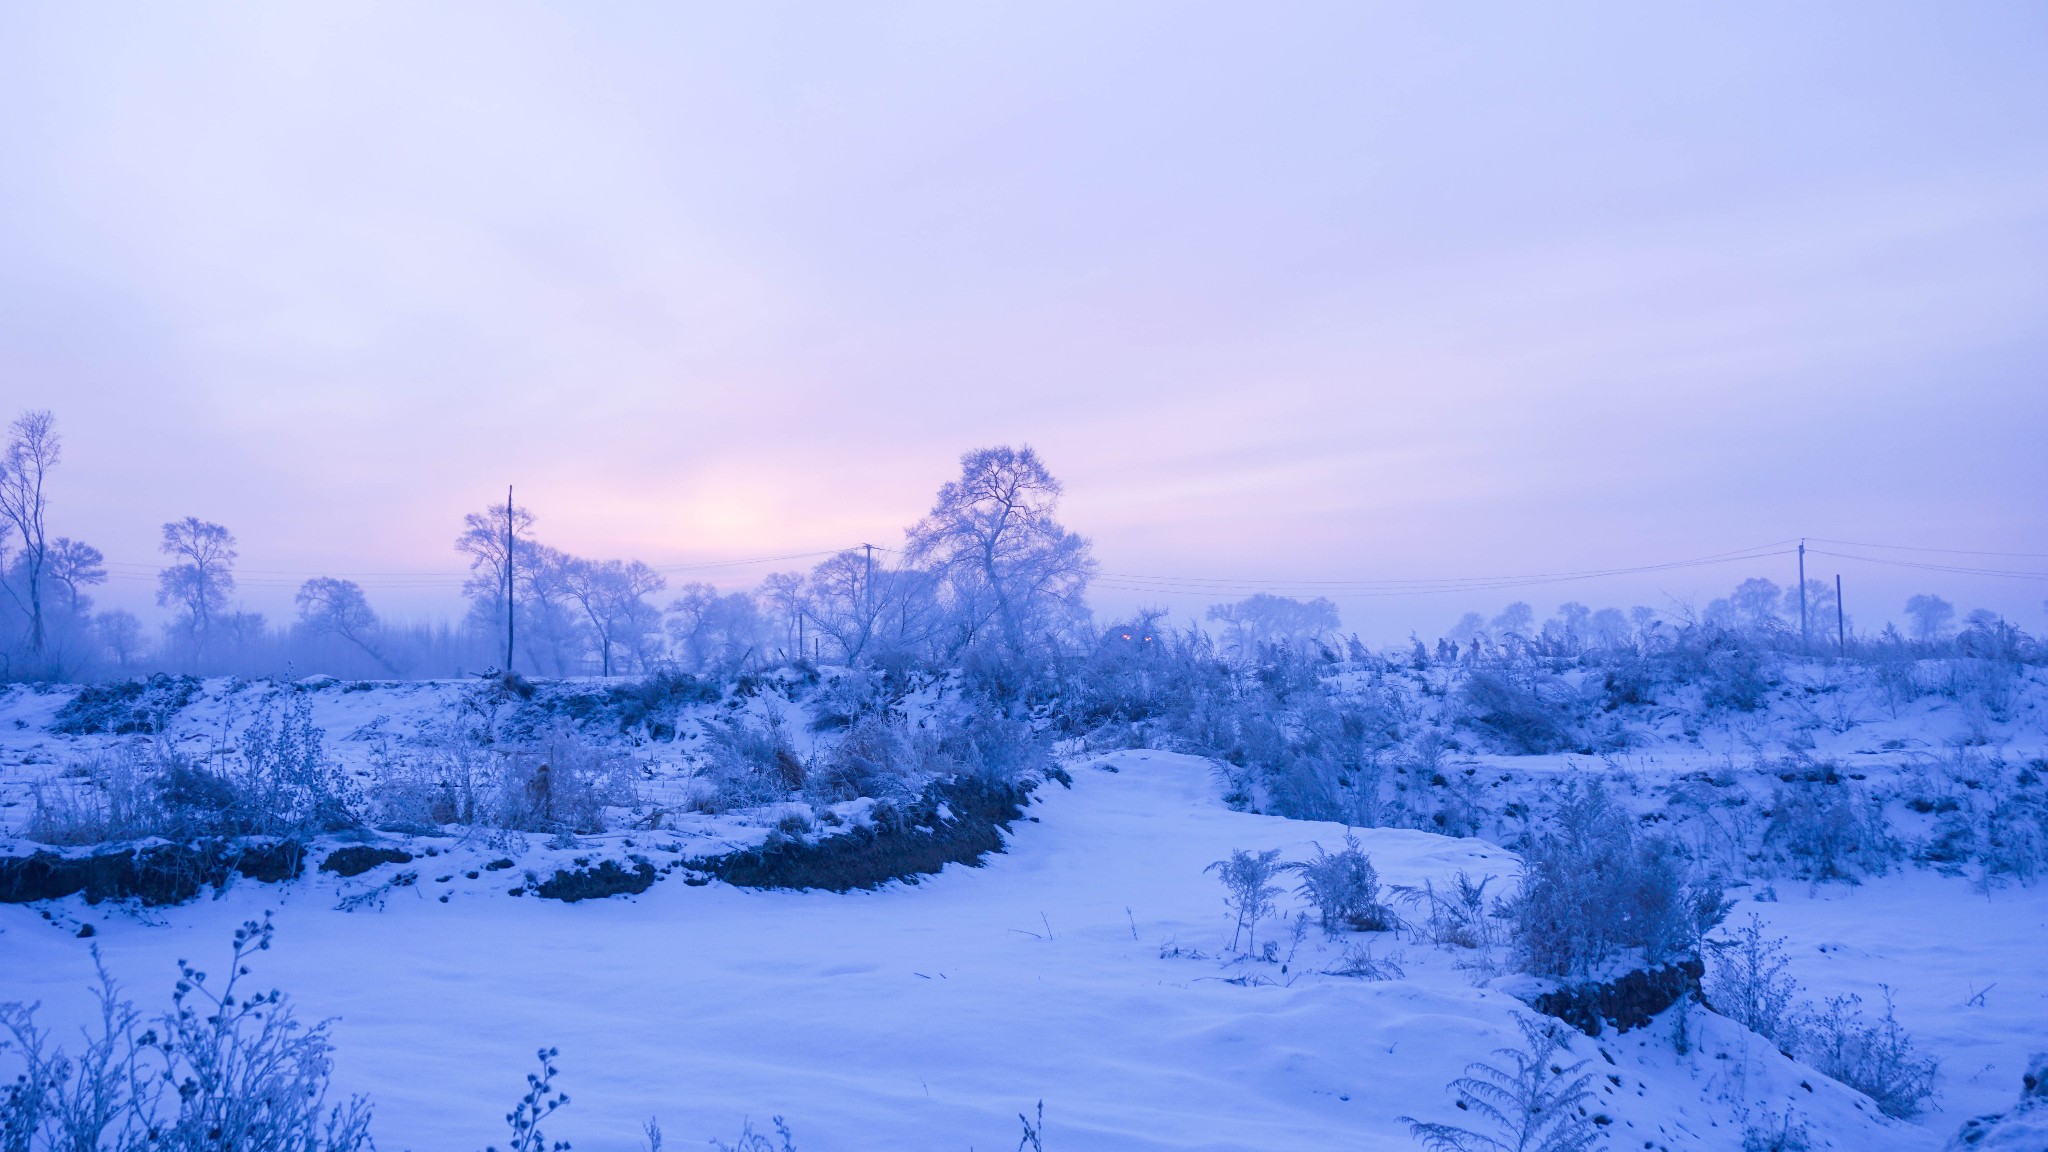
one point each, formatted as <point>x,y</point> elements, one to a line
<point>1931,617</point>
<point>783,595</point>
<point>497,542</point>
<point>33,448</point>
<point>547,611</point>
<point>713,632</point>
<point>201,575</point>
<point>1262,619</point>
<point>333,607</point>
<point>613,596</point>
<point>993,539</point>
<point>121,634</point>
<point>73,563</point>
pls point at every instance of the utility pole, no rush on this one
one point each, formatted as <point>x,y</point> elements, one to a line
<point>1841,619</point>
<point>1804,643</point>
<point>867,584</point>
<point>511,586</point>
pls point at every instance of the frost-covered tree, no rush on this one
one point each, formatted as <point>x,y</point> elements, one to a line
<point>1256,621</point>
<point>1931,617</point>
<point>495,540</point>
<point>120,635</point>
<point>866,610</point>
<point>613,595</point>
<point>548,616</point>
<point>1571,626</point>
<point>1006,563</point>
<point>709,631</point>
<point>33,448</point>
<point>201,575</point>
<point>1517,619</point>
<point>75,565</point>
<point>1609,629</point>
<point>333,607</point>
<point>1471,626</point>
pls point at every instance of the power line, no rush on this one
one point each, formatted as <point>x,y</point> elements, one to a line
<point>1948,551</point>
<point>1929,567</point>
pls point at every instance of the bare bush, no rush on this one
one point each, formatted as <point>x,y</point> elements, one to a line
<point>1594,891</point>
<point>1828,829</point>
<point>1531,1102</point>
<point>1248,890</point>
<point>1345,889</point>
<point>748,763</point>
<point>1749,982</point>
<point>222,1069</point>
<point>1359,963</point>
<point>1530,713</point>
<point>1875,1058</point>
<point>562,783</point>
<point>1457,916</point>
<point>108,795</point>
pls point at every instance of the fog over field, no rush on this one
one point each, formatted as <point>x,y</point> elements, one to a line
<point>967,576</point>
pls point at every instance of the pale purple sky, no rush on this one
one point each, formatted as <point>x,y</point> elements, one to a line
<point>1286,293</point>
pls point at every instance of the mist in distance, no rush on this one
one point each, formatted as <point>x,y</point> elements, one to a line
<point>1325,295</point>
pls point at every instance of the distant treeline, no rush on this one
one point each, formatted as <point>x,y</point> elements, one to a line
<point>989,575</point>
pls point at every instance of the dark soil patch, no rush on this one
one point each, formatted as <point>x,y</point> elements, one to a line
<point>156,874</point>
<point>1627,1002</point>
<point>357,859</point>
<point>903,843</point>
<point>607,879</point>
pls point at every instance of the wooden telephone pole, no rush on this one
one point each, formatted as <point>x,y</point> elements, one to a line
<point>511,586</point>
<point>1804,643</point>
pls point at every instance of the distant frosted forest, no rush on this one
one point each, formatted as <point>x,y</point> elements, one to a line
<point>989,577</point>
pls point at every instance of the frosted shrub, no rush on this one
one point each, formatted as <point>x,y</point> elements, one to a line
<point>1248,890</point>
<point>562,783</point>
<point>222,1069</point>
<point>1529,1100</point>
<point>1532,715</point>
<point>1876,1059</point>
<point>748,763</point>
<point>995,748</point>
<point>1459,915</point>
<point>1594,891</point>
<point>109,795</point>
<point>286,783</point>
<point>1735,676</point>
<point>1828,829</point>
<point>275,781</point>
<point>449,780</point>
<point>2015,841</point>
<point>874,757</point>
<point>752,1141</point>
<point>1749,982</point>
<point>1345,889</point>
<point>1772,1132</point>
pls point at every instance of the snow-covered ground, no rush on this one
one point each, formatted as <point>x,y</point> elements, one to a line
<point>1087,967</point>
<point>927,1016</point>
